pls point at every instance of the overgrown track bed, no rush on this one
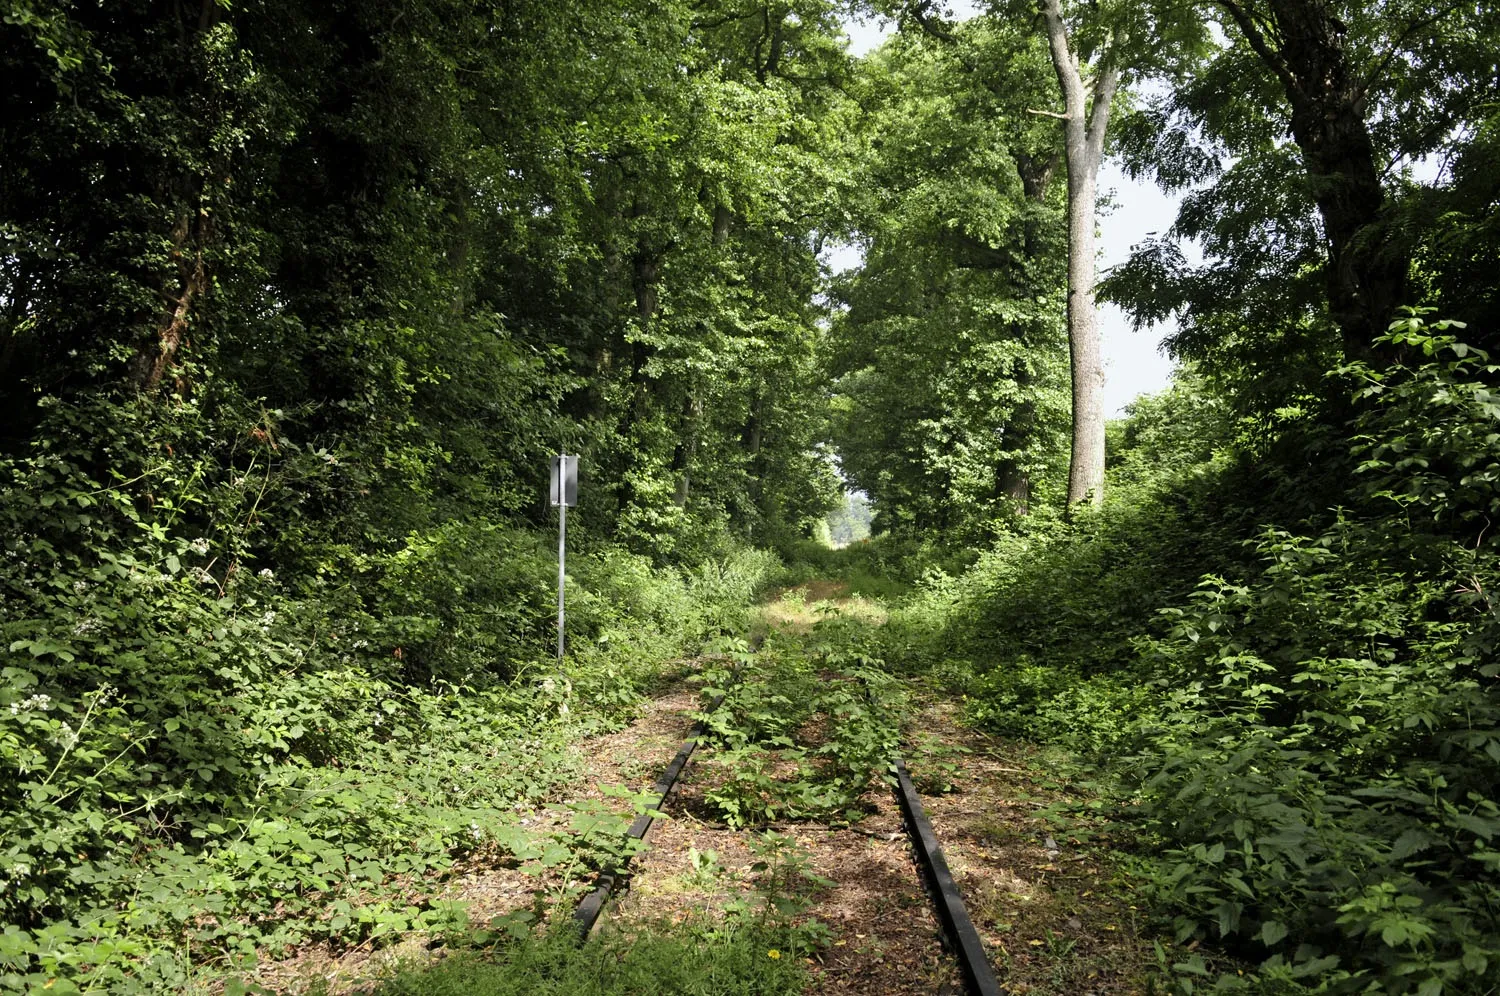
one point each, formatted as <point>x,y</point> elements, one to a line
<point>587,913</point>
<point>876,933</point>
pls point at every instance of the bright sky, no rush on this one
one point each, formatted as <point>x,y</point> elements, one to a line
<point>1132,361</point>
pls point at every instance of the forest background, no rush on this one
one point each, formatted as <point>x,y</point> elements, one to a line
<point>296,299</point>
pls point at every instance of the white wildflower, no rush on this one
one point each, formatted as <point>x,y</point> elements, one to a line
<point>200,545</point>
<point>39,702</point>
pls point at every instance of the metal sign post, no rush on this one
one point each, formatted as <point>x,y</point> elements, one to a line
<point>564,495</point>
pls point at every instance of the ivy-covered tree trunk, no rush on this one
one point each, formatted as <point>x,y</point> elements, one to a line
<point>1366,273</point>
<point>160,350</point>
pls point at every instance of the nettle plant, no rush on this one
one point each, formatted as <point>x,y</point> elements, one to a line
<point>799,739</point>
<point>1323,772</point>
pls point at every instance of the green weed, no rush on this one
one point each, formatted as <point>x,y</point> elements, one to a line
<point>798,741</point>
<point>698,958</point>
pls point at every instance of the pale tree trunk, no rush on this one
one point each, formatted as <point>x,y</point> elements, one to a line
<point>1085,119</point>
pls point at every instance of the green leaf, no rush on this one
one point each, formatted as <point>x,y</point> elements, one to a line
<point>1409,843</point>
<point>1477,825</point>
<point>1193,966</point>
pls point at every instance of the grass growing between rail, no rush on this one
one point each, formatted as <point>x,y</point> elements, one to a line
<point>703,959</point>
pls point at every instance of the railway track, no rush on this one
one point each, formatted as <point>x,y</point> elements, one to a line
<point>960,938</point>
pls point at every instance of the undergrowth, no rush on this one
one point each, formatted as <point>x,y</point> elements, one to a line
<point>1300,719</point>
<point>694,958</point>
<point>757,945</point>
<point>798,735</point>
<point>207,763</point>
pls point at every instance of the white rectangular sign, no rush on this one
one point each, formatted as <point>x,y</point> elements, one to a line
<point>565,481</point>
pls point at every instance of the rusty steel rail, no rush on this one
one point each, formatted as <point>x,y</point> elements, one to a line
<point>586,915</point>
<point>959,929</point>
<point>588,911</point>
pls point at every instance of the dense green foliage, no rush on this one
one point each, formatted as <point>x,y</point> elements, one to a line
<point>949,349</point>
<point>295,301</point>
<point>737,965</point>
<point>297,298</point>
<point>756,947</point>
<point>276,763</point>
<point>1305,734</point>
<point>800,737</point>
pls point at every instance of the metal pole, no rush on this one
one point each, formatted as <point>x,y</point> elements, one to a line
<point>562,552</point>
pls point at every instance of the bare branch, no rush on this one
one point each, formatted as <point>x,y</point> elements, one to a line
<point>1047,114</point>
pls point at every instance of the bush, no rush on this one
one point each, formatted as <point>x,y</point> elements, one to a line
<point>1310,741</point>
<point>204,758</point>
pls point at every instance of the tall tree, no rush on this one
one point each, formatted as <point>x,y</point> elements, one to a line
<point>1303,42</point>
<point>1095,50</point>
<point>1085,120</point>
<point>949,348</point>
<point>1295,142</point>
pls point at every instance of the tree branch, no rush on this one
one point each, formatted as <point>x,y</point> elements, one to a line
<point>1068,78</point>
<point>1395,49</point>
<point>719,22</point>
<point>1104,95</point>
<point>932,26</point>
<point>1270,56</point>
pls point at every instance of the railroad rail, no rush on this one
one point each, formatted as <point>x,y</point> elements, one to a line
<point>587,913</point>
<point>961,939</point>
